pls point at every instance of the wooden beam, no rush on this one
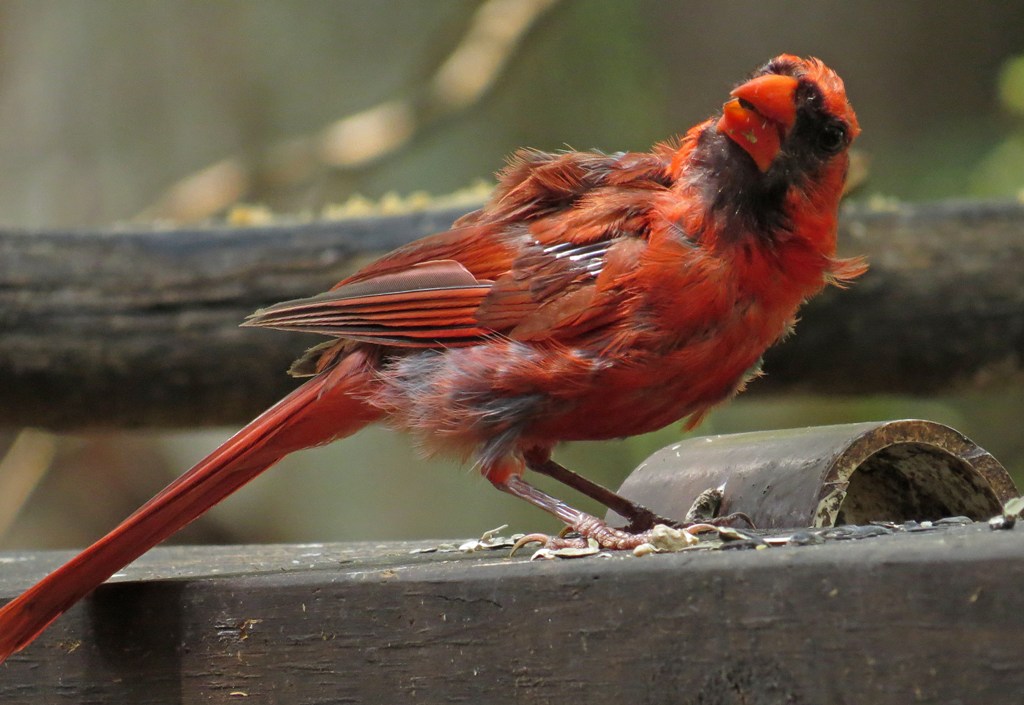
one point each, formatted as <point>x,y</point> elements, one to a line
<point>911,617</point>
<point>139,327</point>
<point>942,307</point>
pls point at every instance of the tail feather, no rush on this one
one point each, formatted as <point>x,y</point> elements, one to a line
<point>323,409</point>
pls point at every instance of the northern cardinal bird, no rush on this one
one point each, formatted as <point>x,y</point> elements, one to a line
<point>594,296</point>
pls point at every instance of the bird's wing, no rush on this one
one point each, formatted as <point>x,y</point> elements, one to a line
<point>588,218</point>
<point>542,260</point>
<point>428,304</point>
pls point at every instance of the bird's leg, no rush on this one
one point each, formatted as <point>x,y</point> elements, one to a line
<point>586,525</point>
<point>640,517</point>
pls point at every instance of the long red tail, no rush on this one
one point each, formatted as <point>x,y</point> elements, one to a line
<point>319,411</point>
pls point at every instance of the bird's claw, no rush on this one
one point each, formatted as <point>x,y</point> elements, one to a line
<point>553,543</point>
<point>587,528</point>
<point>730,519</point>
<point>607,537</point>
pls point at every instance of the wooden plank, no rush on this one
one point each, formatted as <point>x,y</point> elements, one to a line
<point>140,327</point>
<point>912,617</point>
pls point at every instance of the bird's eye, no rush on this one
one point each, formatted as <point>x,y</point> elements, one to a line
<point>832,139</point>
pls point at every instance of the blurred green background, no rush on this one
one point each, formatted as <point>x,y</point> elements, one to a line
<point>105,105</point>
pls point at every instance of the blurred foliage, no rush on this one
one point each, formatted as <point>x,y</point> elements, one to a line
<point>105,105</point>
<point>1001,172</point>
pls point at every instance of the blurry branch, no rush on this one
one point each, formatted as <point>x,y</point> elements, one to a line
<point>22,468</point>
<point>356,141</point>
<point>141,328</point>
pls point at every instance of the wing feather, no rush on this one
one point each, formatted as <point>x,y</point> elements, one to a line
<point>548,258</point>
<point>430,304</point>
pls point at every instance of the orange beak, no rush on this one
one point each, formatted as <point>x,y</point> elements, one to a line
<point>759,116</point>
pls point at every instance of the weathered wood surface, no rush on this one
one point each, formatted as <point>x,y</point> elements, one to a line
<point>140,328</point>
<point>933,617</point>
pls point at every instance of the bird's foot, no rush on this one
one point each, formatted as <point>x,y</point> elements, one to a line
<point>731,520</point>
<point>705,509</point>
<point>590,528</point>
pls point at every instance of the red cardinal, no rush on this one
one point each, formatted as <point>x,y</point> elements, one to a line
<point>594,296</point>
